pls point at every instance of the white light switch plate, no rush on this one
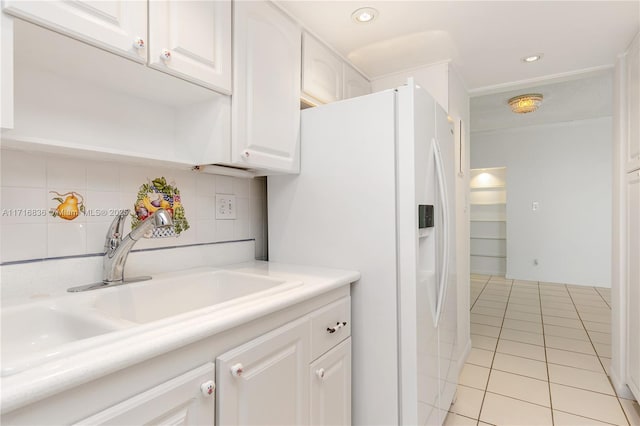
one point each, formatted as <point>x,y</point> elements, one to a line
<point>225,206</point>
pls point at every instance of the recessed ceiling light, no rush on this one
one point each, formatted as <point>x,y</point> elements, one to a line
<point>364,15</point>
<point>532,58</point>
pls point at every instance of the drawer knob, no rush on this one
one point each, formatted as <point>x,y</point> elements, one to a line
<point>320,373</point>
<point>237,370</point>
<point>337,327</point>
<point>207,388</point>
<point>138,43</point>
<point>165,55</point>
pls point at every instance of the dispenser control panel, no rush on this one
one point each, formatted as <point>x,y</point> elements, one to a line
<point>425,216</point>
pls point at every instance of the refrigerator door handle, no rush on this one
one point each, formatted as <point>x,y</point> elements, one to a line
<point>442,190</point>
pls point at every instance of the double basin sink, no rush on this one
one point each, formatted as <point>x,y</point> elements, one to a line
<point>37,332</point>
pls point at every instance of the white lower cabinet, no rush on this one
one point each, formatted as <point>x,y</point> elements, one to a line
<point>186,400</point>
<point>291,367</point>
<point>330,377</point>
<point>264,382</point>
<point>277,379</point>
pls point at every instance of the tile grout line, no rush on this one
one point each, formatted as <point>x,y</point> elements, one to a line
<point>602,297</point>
<point>495,350</point>
<point>470,309</point>
<point>480,294</point>
<point>546,360</point>
<point>624,413</point>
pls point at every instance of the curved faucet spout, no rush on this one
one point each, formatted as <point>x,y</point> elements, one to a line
<point>115,257</point>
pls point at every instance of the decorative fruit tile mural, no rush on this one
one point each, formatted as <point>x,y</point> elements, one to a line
<point>156,194</point>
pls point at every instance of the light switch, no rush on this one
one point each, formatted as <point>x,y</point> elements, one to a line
<point>225,206</point>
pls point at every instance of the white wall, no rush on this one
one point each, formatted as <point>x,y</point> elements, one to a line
<point>33,238</point>
<point>566,168</point>
<point>459,109</point>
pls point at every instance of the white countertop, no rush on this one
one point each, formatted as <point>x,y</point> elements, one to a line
<point>98,356</point>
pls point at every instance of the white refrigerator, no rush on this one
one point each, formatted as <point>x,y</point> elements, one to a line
<point>371,167</point>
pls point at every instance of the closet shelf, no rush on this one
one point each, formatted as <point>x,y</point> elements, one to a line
<point>488,255</point>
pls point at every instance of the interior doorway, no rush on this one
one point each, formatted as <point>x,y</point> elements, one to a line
<point>488,201</point>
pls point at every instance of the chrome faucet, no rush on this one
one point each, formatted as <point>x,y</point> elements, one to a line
<point>117,248</point>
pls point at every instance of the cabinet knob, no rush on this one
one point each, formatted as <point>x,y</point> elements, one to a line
<point>320,373</point>
<point>207,388</point>
<point>337,327</point>
<point>245,154</point>
<point>165,55</point>
<point>237,370</point>
<point>139,43</point>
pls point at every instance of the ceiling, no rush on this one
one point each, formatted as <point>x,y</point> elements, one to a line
<point>578,99</point>
<point>485,40</point>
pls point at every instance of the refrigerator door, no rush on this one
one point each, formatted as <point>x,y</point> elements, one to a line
<point>417,283</point>
<point>447,325</point>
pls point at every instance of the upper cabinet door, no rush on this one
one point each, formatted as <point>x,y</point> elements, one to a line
<point>119,26</point>
<point>266,88</point>
<point>354,83</point>
<point>633,105</point>
<point>322,72</point>
<point>192,40</point>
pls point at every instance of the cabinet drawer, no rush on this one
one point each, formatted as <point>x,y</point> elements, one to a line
<point>331,317</point>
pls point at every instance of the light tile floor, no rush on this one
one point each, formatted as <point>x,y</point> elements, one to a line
<point>540,356</point>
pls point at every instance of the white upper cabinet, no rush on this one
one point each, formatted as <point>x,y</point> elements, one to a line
<point>116,26</point>
<point>322,72</point>
<point>266,89</point>
<point>633,105</point>
<point>354,83</point>
<point>192,40</point>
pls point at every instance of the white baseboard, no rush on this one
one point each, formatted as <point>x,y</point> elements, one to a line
<point>621,388</point>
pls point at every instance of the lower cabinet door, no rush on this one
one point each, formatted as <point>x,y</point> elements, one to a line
<point>330,377</point>
<point>265,381</point>
<point>186,400</point>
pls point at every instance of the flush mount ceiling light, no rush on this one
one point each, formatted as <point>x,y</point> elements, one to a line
<point>364,15</point>
<point>532,58</point>
<point>524,104</point>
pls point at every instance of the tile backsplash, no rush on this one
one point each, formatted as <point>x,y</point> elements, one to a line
<point>29,232</point>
